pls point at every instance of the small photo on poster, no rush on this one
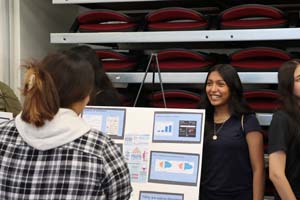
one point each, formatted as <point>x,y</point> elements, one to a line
<point>147,195</point>
<point>187,128</point>
<point>179,127</point>
<point>110,121</point>
<point>173,168</point>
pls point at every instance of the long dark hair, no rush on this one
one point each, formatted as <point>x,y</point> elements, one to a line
<point>290,103</point>
<point>58,81</point>
<point>102,82</point>
<point>236,103</point>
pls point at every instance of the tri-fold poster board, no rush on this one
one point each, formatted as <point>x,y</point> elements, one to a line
<point>163,148</point>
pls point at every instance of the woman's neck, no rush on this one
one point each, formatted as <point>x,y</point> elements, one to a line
<point>221,114</point>
<point>79,105</point>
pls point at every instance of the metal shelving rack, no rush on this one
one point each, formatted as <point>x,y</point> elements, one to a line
<point>203,36</point>
<point>190,77</point>
<point>182,36</point>
<point>97,1</point>
<point>179,36</point>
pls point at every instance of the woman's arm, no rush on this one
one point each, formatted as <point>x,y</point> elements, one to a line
<point>277,162</point>
<point>256,152</point>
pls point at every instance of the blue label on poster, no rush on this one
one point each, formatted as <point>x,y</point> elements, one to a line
<point>160,196</point>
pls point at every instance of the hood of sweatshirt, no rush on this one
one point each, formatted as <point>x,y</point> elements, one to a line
<point>65,127</point>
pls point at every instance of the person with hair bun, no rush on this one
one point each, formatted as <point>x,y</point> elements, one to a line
<point>48,151</point>
<point>284,134</point>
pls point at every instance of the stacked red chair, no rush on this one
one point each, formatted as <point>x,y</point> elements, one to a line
<point>175,99</point>
<point>263,100</point>
<point>175,19</point>
<point>259,59</point>
<point>250,16</point>
<point>113,61</point>
<point>105,21</point>
<point>181,60</point>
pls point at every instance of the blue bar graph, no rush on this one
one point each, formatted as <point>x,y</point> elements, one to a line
<point>166,129</point>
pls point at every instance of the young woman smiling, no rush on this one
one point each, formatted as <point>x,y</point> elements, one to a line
<point>284,134</point>
<point>233,164</point>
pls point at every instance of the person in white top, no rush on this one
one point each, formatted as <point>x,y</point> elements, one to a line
<point>48,151</point>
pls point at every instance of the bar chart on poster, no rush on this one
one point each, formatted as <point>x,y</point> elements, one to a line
<point>163,148</point>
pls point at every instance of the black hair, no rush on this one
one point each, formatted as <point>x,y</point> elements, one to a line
<point>236,103</point>
<point>289,102</point>
<point>102,81</point>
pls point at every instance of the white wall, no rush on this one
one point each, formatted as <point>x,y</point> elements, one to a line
<point>34,20</point>
<point>4,43</point>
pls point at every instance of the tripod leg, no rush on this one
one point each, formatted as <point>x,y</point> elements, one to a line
<point>143,82</point>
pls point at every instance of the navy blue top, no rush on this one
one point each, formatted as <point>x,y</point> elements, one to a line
<point>226,167</point>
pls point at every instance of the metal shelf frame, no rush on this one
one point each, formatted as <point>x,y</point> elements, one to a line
<point>99,1</point>
<point>191,77</point>
<point>288,2</point>
<point>179,36</point>
<point>202,36</point>
<point>264,119</point>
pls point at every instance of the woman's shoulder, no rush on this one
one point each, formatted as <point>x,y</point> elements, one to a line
<point>280,114</point>
<point>9,132</point>
<point>93,142</point>
<point>8,125</point>
<point>248,116</point>
<point>250,122</point>
<point>99,137</point>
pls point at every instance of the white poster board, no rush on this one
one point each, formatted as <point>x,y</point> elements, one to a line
<point>163,148</point>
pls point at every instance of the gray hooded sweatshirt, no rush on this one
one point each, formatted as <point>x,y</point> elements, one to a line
<point>65,127</point>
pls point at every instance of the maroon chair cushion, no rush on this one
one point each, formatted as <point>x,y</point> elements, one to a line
<point>262,100</point>
<point>175,99</point>
<point>175,19</point>
<point>113,61</point>
<point>182,60</point>
<point>252,16</point>
<point>105,21</point>
<point>259,59</point>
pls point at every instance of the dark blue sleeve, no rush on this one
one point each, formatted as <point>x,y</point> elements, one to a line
<point>251,124</point>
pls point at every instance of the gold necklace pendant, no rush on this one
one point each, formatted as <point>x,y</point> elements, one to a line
<point>216,131</point>
<point>214,137</point>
